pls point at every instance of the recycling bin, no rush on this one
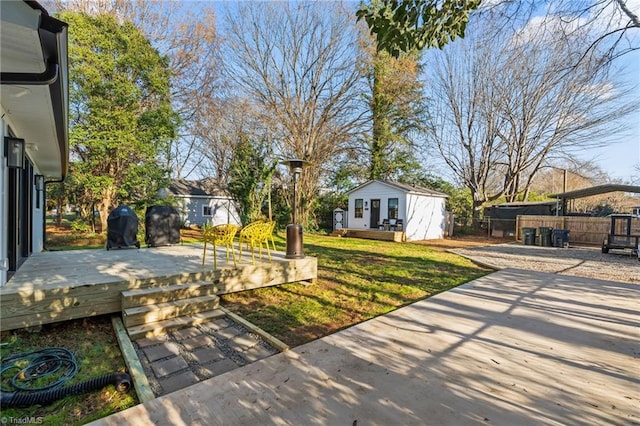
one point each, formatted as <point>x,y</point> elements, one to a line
<point>545,236</point>
<point>561,238</point>
<point>529,236</point>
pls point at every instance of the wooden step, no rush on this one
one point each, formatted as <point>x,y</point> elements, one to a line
<point>155,295</point>
<point>162,327</point>
<point>162,311</point>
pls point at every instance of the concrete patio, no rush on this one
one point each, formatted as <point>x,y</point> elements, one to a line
<point>512,348</point>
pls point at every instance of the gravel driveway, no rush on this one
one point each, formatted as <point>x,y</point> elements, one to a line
<point>578,261</point>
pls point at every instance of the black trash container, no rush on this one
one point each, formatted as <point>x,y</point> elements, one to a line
<point>122,228</point>
<point>561,238</point>
<point>529,236</point>
<point>162,226</point>
<point>545,236</point>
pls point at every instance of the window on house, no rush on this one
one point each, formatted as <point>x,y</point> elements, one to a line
<point>358,207</point>
<point>206,211</point>
<point>392,208</point>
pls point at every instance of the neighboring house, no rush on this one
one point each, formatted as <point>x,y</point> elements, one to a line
<point>421,210</point>
<point>34,108</point>
<point>202,201</point>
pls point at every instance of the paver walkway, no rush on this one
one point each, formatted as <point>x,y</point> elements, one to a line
<point>511,348</point>
<point>189,355</point>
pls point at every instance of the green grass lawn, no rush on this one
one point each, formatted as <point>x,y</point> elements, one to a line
<point>357,280</point>
<point>94,345</point>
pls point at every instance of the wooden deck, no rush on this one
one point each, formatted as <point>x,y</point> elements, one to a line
<point>63,285</point>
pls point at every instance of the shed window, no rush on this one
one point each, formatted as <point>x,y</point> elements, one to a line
<point>393,208</point>
<point>206,211</point>
<point>358,207</point>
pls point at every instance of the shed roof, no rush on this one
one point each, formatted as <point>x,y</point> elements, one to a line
<point>202,188</point>
<point>595,190</point>
<point>407,188</point>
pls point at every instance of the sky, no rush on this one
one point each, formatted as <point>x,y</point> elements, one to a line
<point>620,160</point>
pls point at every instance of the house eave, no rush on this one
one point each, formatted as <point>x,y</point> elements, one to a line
<point>399,188</point>
<point>207,197</point>
<point>34,83</point>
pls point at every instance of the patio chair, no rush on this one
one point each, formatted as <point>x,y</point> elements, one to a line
<point>255,235</point>
<point>385,224</point>
<point>219,235</point>
<point>272,227</point>
<point>399,225</point>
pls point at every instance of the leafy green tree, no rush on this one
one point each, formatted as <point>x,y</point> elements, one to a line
<point>406,26</point>
<point>121,118</point>
<point>251,172</point>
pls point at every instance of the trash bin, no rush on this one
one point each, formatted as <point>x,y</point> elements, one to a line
<point>529,236</point>
<point>545,236</point>
<point>561,238</point>
<point>122,228</point>
<point>162,226</point>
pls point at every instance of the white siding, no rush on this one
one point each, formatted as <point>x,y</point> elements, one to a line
<point>374,191</point>
<point>426,217</point>
<point>223,211</point>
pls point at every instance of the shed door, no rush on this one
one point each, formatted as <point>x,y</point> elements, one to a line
<point>375,214</point>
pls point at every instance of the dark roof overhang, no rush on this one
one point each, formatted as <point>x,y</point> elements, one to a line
<point>25,69</point>
<point>596,190</point>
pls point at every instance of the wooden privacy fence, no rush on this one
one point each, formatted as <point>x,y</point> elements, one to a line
<point>586,230</point>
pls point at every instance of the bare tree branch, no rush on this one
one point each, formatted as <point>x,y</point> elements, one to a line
<point>297,63</point>
<point>503,107</point>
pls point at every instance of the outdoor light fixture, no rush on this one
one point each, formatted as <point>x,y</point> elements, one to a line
<point>294,230</point>
<point>14,150</point>
<point>39,182</point>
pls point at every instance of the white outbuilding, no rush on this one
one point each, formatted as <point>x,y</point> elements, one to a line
<point>391,206</point>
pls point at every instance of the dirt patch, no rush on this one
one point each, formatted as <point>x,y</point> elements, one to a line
<point>59,236</point>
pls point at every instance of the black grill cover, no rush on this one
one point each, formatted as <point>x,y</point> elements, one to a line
<point>122,228</point>
<point>162,224</point>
